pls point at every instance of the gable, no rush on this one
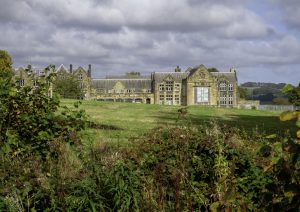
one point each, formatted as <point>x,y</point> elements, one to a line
<point>80,70</point>
<point>168,78</point>
<point>200,74</point>
<point>119,86</point>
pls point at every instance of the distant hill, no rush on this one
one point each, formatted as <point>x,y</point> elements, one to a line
<point>267,93</point>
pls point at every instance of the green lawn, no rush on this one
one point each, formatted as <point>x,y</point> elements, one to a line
<point>134,120</point>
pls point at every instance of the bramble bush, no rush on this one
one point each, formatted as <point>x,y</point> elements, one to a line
<point>213,167</point>
<point>34,133</point>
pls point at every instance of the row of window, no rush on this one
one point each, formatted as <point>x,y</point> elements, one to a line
<point>21,82</point>
<point>226,99</point>
<point>169,99</point>
<point>169,86</point>
<point>124,91</point>
<point>223,86</point>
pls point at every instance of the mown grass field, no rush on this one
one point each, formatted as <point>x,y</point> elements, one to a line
<point>133,120</point>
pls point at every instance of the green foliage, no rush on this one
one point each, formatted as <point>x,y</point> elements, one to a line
<point>265,92</point>
<point>213,69</point>
<point>281,101</point>
<point>243,93</point>
<point>177,69</point>
<point>33,132</point>
<point>133,73</point>
<point>5,62</point>
<point>294,98</point>
<point>45,166</point>
<point>293,94</point>
<point>30,120</point>
<point>67,86</point>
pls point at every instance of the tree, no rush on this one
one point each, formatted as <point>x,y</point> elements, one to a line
<point>293,94</point>
<point>5,62</point>
<point>30,118</point>
<point>177,69</point>
<point>294,97</point>
<point>243,93</point>
<point>281,101</point>
<point>213,69</point>
<point>6,72</point>
<point>67,86</point>
<point>6,89</point>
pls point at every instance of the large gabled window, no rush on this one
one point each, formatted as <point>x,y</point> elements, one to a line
<point>202,95</point>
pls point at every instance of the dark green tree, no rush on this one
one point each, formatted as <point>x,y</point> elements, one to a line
<point>293,94</point>
<point>67,86</point>
<point>5,62</point>
<point>243,93</point>
<point>212,69</point>
<point>281,101</point>
<point>6,90</point>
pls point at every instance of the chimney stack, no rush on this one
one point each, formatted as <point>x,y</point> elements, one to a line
<point>71,68</point>
<point>90,71</point>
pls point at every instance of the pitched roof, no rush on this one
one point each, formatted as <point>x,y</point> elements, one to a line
<point>231,76</point>
<point>79,69</point>
<point>127,77</point>
<point>176,76</point>
<point>61,68</point>
<point>108,84</point>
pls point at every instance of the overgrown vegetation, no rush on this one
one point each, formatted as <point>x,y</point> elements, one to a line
<point>67,86</point>
<point>208,166</point>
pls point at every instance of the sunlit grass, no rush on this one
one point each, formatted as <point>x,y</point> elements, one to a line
<point>134,120</point>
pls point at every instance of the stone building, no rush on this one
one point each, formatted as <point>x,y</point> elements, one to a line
<point>82,75</point>
<point>128,88</point>
<point>29,77</point>
<point>196,86</point>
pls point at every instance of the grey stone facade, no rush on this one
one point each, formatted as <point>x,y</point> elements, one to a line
<point>196,86</point>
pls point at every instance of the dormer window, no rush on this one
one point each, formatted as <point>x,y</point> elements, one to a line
<point>80,77</point>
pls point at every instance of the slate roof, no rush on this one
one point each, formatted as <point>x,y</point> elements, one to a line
<point>177,76</point>
<point>127,77</point>
<point>61,68</point>
<point>108,84</point>
<point>231,76</point>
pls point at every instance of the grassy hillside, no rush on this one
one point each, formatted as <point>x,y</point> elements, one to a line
<point>133,120</point>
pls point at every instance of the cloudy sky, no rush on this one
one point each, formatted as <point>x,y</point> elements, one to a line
<point>260,38</point>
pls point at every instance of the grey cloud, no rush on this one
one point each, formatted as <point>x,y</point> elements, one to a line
<point>291,12</point>
<point>118,36</point>
<point>15,11</point>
